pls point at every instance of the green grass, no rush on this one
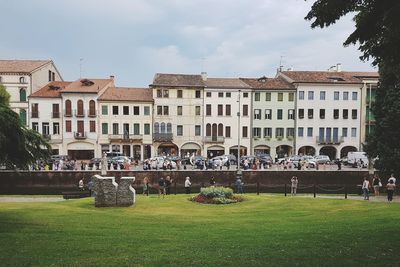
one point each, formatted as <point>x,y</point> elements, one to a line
<point>262,231</point>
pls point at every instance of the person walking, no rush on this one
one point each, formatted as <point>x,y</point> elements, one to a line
<point>365,188</point>
<point>294,182</point>
<point>376,183</point>
<point>188,185</point>
<point>168,183</point>
<point>390,187</point>
<point>81,185</point>
<point>239,186</point>
<point>161,187</point>
<point>392,178</point>
<point>146,186</point>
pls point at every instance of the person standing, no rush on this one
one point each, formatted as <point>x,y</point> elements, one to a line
<point>365,188</point>
<point>392,178</point>
<point>212,181</point>
<point>168,183</point>
<point>228,164</point>
<point>294,182</point>
<point>81,185</point>
<point>161,187</point>
<point>339,164</point>
<point>188,185</point>
<point>390,187</point>
<point>146,187</point>
<point>239,186</point>
<point>376,183</point>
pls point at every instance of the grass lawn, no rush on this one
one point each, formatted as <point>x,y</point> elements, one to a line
<point>265,230</point>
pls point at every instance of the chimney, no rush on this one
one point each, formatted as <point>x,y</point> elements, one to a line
<point>338,67</point>
<point>112,77</point>
<point>204,75</point>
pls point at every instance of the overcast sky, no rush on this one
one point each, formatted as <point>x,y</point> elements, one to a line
<point>134,39</point>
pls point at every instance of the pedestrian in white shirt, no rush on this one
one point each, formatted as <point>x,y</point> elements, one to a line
<point>365,188</point>
<point>188,184</point>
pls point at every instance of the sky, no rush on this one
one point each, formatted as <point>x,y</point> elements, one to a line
<point>134,39</point>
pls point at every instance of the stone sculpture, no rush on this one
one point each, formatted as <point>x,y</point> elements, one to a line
<point>111,194</point>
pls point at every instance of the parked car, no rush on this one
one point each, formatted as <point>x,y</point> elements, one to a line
<point>198,161</point>
<point>265,159</point>
<point>57,158</point>
<point>94,163</point>
<point>220,160</point>
<point>322,159</point>
<point>161,161</point>
<point>356,158</point>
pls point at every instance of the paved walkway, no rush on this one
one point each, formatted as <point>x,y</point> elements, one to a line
<point>30,199</point>
<point>396,199</point>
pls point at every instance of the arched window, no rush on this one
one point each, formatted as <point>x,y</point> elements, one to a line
<point>22,116</point>
<point>156,128</point>
<point>208,129</point>
<point>22,95</point>
<point>21,79</point>
<point>80,108</point>
<point>162,128</point>
<point>214,129</point>
<point>68,108</point>
<point>92,108</point>
<point>220,129</point>
<point>169,128</point>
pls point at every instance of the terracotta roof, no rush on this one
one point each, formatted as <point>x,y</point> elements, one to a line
<point>261,83</point>
<point>21,66</point>
<point>88,85</point>
<point>226,83</point>
<point>177,80</point>
<point>127,94</point>
<point>51,90</point>
<point>343,77</point>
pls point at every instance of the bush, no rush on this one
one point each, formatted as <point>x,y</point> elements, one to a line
<point>216,195</point>
<point>216,192</point>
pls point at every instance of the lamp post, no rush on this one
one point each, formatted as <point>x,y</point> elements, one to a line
<point>238,114</point>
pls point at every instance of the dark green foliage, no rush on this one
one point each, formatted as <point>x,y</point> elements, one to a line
<point>377,31</point>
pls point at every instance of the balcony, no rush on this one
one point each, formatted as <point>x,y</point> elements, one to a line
<point>214,139</point>
<point>162,137</point>
<point>92,113</point>
<point>80,135</point>
<point>79,113</point>
<point>321,140</point>
<point>55,115</point>
<point>125,137</point>
<point>35,114</point>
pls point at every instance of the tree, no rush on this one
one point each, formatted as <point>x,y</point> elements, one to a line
<point>377,31</point>
<point>19,146</point>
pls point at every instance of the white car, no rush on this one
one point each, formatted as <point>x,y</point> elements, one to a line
<point>158,163</point>
<point>322,159</point>
<point>220,160</point>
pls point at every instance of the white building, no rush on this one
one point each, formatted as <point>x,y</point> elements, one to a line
<point>224,131</point>
<point>24,77</point>
<point>273,116</point>
<point>328,112</point>
<point>125,121</point>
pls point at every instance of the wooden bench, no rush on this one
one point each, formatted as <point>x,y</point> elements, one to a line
<point>75,194</point>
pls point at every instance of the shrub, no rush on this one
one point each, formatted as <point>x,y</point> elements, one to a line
<point>216,195</point>
<point>216,192</point>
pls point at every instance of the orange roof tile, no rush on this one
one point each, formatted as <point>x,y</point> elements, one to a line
<point>51,90</point>
<point>265,83</point>
<point>127,94</point>
<point>344,77</point>
<point>177,80</point>
<point>21,66</point>
<point>226,83</point>
<point>88,85</point>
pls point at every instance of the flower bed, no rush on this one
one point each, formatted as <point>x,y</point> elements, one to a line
<point>216,195</point>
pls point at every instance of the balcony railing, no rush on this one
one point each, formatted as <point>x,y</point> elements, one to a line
<point>35,114</point>
<point>125,137</point>
<point>79,113</point>
<point>162,137</point>
<point>80,135</point>
<point>323,140</point>
<point>55,115</point>
<point>214,139</point>
<point>92,113</point>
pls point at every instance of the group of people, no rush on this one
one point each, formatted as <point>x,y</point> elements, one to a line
<point>376,185</point>
<point>164,186</point>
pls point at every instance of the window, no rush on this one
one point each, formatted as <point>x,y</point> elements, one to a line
<point>45,128</point>
<point>80,107</point>
<point>198,94</point>
<point>104,128</point>
<point>309,132</point>
<point>208,94</point>
<point>280,96</point>
<point>354,114</point>
<point>227,131</point>
<point>166,110</point>
<point>159,93</point>
<point>344,132</point>
<point>279,114</point>
<point>197,110</point>
<point>68,126</point>
<point>136,110</point>
<point>310,113</point>
<point>336,114</point>
<point>291,97</point>
<point>220,110</point>
<point>336,95</point>
<point>268,114</point>
<point>104,110</point>
<point>50,76</point>
<point>310,95</point>
<point>257,132</point>
<point>345,95</point>
<point>322,95</point>
<point>301,113</point>
<point>197,130</point>
<point>159,110</point>
<point>228,110</point>
<point>169,127</point>
<point>322,113</point>
<point>353,132</point>
<point>68,108</point>
<point>92,126</point>
<point>354,96</point>
<point>136,128</point>
<point>289,132</point>
<point>162,110</point>
<point>279,132</point>
<point>179,93</point>
<point>115,110</point>
<point>245,95</point>
<point>268,132</point>
<point>220,129</point>
<point>267,96</point>
<point>53,76</point>
<point>115,128</point>
<point>245,110</point>
<point>301,95</point>
<point>257,114</point>
<point>156,127</point>
<point>146,110</point>
<point>291,114</point>
<point>220,94</point>
<point>208,110</point>
<point>92,108</point>
<point>22,116</point>
<point>165,93</point>
<point>179,130</point>
<point>146,128</point>
<point>21,79</point>
<point>56,128</point>
<point>22,95</point>
<point>162,93</point>
<point>56,111</point>
<point>244,132</point>
<point>256,96</point>
<point>300,132</point>
<point>228,95</point>
<point>35,126</point>
<point>125,110</point>
<point>345,113</point>
<point>179,110</point>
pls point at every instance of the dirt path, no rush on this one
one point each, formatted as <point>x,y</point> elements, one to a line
<point>30,199</point>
